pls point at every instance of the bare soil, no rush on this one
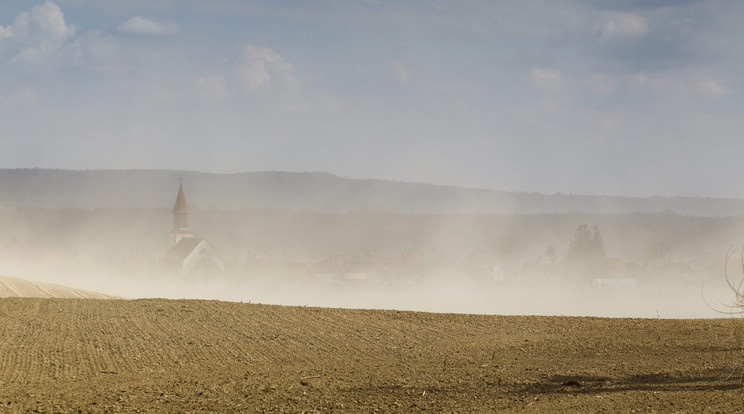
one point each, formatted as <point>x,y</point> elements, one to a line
<point>70,355</point>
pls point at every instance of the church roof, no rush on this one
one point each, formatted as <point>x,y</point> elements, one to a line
<point>182,249</point>
<point>181,205</point>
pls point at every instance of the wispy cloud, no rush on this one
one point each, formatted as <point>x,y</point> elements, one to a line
<point>141,25</point>
<point>212,88</point>
<point>619,25</point>
<point>260,67</point>
<point>5,32</point>
<point>685,85</point>
<point>23,98</point>
<point>546,79</point>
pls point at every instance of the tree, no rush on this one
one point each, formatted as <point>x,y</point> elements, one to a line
<point>586,254</point>
<point>550,254</point>
<point>658,253</point>
<point>506,249</point>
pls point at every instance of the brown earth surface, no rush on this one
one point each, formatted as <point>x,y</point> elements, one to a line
<point>70,355</point>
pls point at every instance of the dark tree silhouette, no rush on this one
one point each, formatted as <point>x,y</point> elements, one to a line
<point>586,254</point>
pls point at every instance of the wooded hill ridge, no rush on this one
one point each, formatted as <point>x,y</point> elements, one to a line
<point>316,192</point>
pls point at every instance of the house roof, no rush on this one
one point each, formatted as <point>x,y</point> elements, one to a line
<point>182,249</point>
<point>181,205</point>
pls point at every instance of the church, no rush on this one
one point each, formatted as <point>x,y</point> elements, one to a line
<point>191,257</point>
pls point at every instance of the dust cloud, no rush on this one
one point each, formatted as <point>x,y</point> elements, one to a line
<point>659,265</point>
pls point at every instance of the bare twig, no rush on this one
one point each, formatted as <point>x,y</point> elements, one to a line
<point>737,308</point>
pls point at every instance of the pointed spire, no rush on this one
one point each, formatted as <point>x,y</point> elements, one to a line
<point>181,205</point>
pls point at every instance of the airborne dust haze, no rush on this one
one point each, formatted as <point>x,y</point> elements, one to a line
<point>652,265</point>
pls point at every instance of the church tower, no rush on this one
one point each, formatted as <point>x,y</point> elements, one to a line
<point>180,218</point>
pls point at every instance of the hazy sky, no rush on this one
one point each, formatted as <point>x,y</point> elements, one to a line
<point>596,97</point>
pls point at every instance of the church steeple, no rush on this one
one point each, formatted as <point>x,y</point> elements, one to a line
<point>180,218</point>
<point>181,211</point>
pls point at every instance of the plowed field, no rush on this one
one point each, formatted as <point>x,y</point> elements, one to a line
<point>70,355</point>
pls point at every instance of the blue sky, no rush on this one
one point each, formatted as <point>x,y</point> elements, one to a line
<point>631,98</point>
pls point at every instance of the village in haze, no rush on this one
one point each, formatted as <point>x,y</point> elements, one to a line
<point>464,260</point>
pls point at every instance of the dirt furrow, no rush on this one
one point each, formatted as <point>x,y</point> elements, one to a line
<point>59,355</point>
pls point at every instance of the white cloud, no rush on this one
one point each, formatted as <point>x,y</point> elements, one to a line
<point>618,25</point>
<point>38,33</point>
<point>676,86</point>
<point>602,83</point>
<point>712,88</point>
<point>212,88</point>
<point>260,67</point>
<point>23,98</point>
<point>640,78</point>
<point>401,74</point>
<point>97,48</point>
<point>683,85</point>
<point>140,25</point>
<point>5,32</point>
<point>546,79</point>
<point>41,38</point>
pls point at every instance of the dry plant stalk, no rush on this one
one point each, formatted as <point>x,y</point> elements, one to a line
<point>738,305</point>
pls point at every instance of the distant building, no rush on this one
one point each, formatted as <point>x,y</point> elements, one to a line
<point>181,229</point>
<point>191,257</point>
